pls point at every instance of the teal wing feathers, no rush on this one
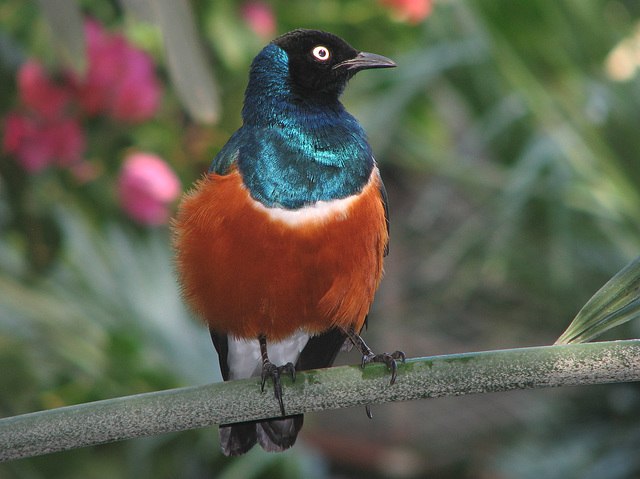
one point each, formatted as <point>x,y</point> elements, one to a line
<point>228,155</point>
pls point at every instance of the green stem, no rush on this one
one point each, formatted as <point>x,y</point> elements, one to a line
<point>348,386</point>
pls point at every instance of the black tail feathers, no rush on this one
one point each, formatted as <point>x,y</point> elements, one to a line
<point>274,435</point>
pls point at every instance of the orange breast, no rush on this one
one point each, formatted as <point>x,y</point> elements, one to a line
<point>247,272</point>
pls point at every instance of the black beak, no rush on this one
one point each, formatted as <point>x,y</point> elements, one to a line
<point>364,61</point>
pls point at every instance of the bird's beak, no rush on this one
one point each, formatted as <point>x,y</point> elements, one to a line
<point>364,61</point>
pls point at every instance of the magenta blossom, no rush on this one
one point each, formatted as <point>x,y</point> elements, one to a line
<point>42,133</point>
<point>37,143</point>
<point>260,18</point>
<point>39,93</point>
<point>409,11</point>
<point>147,185</point>
<point>120,79</point>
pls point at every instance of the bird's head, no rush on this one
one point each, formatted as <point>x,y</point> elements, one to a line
<point>323,62</point>
<point>302,66</point>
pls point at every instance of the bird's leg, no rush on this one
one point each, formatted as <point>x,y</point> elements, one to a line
<point>273,371</point>
<point>369,357</point>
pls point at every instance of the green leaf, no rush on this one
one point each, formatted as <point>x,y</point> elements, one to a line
<point>617,302</point>
<point>65,20</point>
<point>187,62</point>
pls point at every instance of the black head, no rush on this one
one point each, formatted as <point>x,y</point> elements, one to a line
<point>323,62</point>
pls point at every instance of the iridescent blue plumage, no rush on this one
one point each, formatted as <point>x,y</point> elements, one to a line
<point>294,150</point>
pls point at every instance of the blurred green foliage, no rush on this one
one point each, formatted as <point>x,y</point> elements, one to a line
<point>508,142</point>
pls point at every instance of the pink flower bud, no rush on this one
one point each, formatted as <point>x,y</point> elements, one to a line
<point>260,18</point>
<point>147,185</point>
<point>409,11</point>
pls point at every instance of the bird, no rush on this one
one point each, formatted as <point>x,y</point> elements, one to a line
<point>280,246</point>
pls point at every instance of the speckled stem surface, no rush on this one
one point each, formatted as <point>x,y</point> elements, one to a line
<point>348,386</point>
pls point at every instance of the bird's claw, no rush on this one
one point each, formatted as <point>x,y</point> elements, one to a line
<point>274,372</point>
<point>367,408</point>
<point>389,359</point>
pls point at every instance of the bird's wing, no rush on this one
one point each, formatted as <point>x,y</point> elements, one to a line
<point>385,202</point>
<point>321,350</point>
<point>222,347</point>
<point>229,153</point>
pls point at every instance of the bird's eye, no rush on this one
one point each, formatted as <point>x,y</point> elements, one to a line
<point>321,53</point>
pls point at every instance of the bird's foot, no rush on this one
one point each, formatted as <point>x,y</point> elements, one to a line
<point>368,357</point>
<point>389,359</point>
<point>274,372</point>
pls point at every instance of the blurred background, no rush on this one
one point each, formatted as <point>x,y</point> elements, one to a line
<point>508,139</point>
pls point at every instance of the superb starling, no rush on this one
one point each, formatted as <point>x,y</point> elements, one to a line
<point>280,247</point>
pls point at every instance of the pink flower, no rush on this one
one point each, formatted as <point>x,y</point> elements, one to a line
<point>120,79</point>
<point>260,18</point>
<point>38,142</point>
<point>43,135</point>
<point>410,11</point>
<point>147,185</point>
<point>39,93</point>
